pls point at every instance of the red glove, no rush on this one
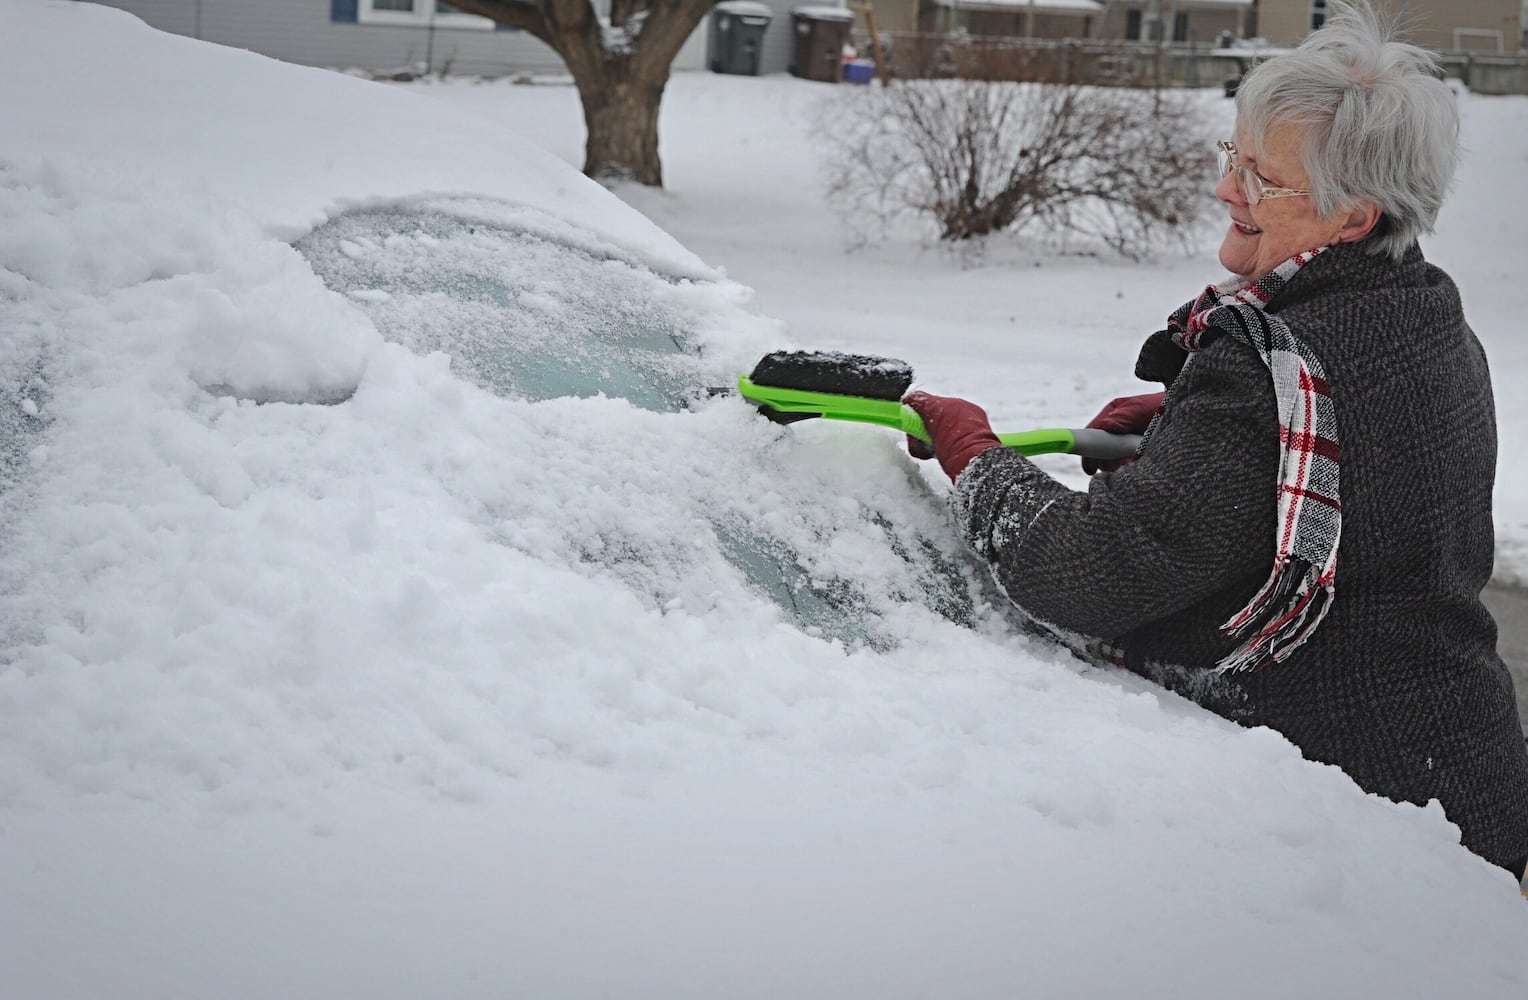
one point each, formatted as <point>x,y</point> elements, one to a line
<point>959,429</point>
<point>1124,415</point>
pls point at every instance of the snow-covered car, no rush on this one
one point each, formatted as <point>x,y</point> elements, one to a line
<point>388,610</point>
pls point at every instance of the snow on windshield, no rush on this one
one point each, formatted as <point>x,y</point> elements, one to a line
<point>518,314</point>
<point>528,317</point>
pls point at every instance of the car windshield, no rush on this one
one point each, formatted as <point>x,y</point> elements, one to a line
<point>527,311</point>
<point>519,313</point>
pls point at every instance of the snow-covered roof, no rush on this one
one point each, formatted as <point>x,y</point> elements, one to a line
<point>1081,6</point>
<point>745,8</point>
<point>823,12</point>
<point>1049,6</point>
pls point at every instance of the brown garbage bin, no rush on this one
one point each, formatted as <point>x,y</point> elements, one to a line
<point>820,35</point>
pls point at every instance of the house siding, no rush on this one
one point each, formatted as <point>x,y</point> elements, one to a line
<point>779,48</point>
<point>1010,23</point>
<point>301,31</point>
<point>1429,23</point>
<point>891,15</point>
<point>175,16</point>
<point>1204,23</point>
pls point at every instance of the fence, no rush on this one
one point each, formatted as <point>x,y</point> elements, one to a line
<point>1133,64</point>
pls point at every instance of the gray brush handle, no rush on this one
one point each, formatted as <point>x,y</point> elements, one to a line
<point>1102,445</point>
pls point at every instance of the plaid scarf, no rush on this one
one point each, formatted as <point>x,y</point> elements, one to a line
<point>1301,588</point>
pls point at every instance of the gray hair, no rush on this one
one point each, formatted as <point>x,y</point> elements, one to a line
<point>1382,125</point>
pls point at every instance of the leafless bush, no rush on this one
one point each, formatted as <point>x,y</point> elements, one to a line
<point>1130,167</point>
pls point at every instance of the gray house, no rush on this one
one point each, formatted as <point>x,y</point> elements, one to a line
<point>377,36</point>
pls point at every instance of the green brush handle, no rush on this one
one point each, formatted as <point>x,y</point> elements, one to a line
<point>894,414</point>
<point>860,409</point>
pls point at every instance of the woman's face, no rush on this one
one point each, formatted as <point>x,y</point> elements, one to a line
<point>1263,236</point>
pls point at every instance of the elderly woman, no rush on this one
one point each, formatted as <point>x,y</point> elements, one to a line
<point>1304,536</point>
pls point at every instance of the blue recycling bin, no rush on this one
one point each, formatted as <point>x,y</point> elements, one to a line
<point>859,71</point>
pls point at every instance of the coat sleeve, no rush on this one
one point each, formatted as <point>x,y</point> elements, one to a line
<point>1193,514</point>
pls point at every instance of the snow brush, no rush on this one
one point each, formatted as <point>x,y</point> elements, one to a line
<point>788,386</point>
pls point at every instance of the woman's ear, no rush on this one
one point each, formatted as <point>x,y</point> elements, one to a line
<point>1359,222</point>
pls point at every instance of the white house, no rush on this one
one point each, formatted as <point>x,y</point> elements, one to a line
<point>378,36</point>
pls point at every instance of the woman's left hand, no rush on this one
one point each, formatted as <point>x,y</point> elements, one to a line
<point>958,427</point>
<point>1123,415</point>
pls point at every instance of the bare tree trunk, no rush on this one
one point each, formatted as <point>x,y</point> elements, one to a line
<point>620,65</point>
<point>622,121</point>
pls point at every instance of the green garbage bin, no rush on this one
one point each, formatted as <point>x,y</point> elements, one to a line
<point>737,36</point>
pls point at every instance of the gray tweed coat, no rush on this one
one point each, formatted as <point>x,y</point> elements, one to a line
<point>1401,686</point>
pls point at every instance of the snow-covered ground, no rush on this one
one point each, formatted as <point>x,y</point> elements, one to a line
<point>329,701</point>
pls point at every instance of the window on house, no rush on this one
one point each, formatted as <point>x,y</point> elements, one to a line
<point>1180,27</point>
<point>419,13</point>
<point>1133,25</point>
<point>1317,13</point>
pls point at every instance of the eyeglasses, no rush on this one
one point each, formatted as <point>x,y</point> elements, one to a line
<point>1252,186</point>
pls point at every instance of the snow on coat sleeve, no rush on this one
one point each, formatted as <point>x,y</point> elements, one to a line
<point>1191,516</point>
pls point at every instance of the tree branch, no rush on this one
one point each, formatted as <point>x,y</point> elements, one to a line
<point>668,26</point>
<point>622,11</point>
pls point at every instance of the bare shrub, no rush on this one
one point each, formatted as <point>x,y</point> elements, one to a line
<point>1129,167</point>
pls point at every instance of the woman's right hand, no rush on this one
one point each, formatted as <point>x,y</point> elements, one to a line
<point>1123,415</point>
<point>958,427</point>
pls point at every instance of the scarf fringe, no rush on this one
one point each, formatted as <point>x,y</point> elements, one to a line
<point>1300,590</point>
<point>1280,617</point>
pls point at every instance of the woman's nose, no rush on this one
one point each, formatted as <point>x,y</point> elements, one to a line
<point>1228,190</point>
